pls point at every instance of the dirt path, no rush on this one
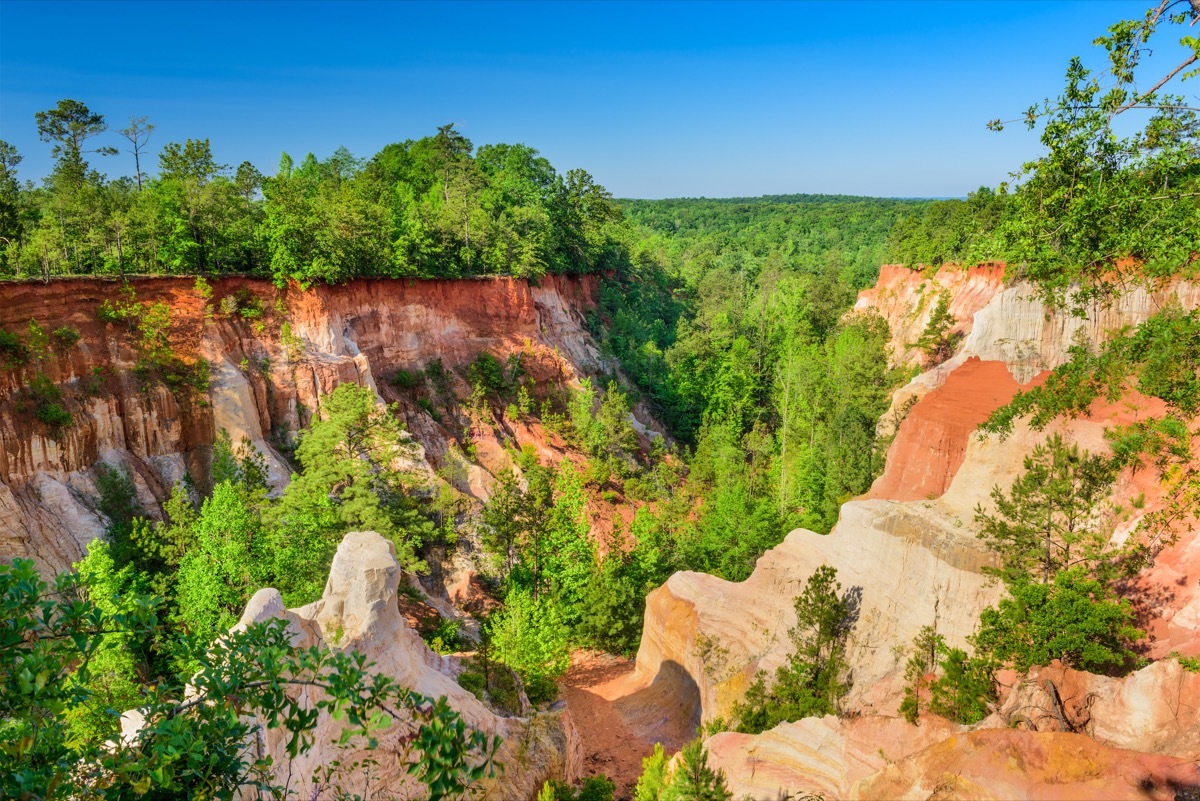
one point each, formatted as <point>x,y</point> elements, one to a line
<point>607,705</point>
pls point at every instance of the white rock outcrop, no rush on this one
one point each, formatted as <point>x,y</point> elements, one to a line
<point>359,612</point>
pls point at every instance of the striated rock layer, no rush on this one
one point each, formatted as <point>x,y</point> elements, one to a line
<point>264,386</point>
<point>908,555</point>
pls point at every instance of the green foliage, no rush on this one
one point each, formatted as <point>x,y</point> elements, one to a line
<point>926,647</point>
<point>65,336</point>
<point>593,788</point>
<point>530,636</point>
<point>936,340</point>
<point>13,352</point>
<point>350,481</point>
<point>48,638</point>
<point>653,781</point>
<point>615,597</point>
<point>966,690</point>
<point>1058,568</point>
<point>445,637</point>
<point>404,379</point>
<point>53,652</point>
<point>112,677</point>
<point>815,677</point>
<point>694,780</point>
<point>1076,618</point>
<point>216,574</point>
<point>1160,358</point>
<point>46,398</point>
<point>949,231</point>
<point>1050,518</point>
<point>489,374</point>
<point>1107,191</point>
<point>117,502</point>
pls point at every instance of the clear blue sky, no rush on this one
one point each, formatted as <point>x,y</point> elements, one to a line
<point>655,100</point>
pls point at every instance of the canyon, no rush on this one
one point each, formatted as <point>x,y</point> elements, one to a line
<point>907,548</point>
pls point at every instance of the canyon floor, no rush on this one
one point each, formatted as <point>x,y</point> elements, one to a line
<point>617,724</point>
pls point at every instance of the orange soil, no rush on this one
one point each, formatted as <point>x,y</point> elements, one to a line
<point>608,705</point>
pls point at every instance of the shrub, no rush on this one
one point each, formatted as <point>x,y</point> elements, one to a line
<point>1076,619</point>
<point>965,689</point>
<point>488,373</point>
<point>66,336</point>
<point>594,788</point>
<point>47,400</point>
<point>404,379</point>
<point>444,638</point>
<point>293,345</point>
<point>202,287</point>
<point>13,352</point>
<point>530,636</point>
<point>93,384</point>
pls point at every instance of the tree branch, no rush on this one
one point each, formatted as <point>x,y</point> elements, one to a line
<point>1131,104</point>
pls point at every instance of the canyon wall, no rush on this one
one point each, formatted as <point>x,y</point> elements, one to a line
<point>907,554</point>
<point>273,354</point>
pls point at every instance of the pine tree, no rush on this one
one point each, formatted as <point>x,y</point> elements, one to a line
<point>694,780</point>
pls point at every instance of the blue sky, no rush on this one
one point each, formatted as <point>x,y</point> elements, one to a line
<point>655,100</point>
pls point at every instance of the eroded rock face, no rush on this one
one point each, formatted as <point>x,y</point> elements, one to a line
<point>818,755</point>
<point>1000,765</point>
<point>1155,709</point>
<point>904,565</point>
<point>261,387</point>
<point>359,612</point>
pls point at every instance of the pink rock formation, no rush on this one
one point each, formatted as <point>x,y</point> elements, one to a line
<point>999,765</point>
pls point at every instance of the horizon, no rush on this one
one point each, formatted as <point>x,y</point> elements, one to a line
<point>631,97</point>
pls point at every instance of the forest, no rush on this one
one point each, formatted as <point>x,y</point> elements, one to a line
<point>730,320</point>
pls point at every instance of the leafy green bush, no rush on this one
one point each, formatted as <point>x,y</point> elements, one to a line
<point>13,352</point>
<point>404,379</point>
<point>594,788</point>
<point>530,636</point>
<point>46,398</point>
<point>445,637</point>
<point>55,646</point>
<point>1075,618</point>
<point>66,336</point>
<point>487,372</point>
<point>965,690</point>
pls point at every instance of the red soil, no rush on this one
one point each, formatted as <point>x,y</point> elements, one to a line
<point>932,441</point>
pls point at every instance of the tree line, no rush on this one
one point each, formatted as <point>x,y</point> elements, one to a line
<point>435,207</point>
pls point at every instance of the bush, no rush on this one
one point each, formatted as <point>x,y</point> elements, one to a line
<point>243,303</point>
<point>487,372</point>
<point>13,352</point>
<point>965,690</point>
<point>445,637</point>
<point>404,379</point>
<point>66,336</point>
<point>47,400</point>
<point>1075,618</point>
<point>93,384</point>
<point>530,637</point>
<point>594,788</point>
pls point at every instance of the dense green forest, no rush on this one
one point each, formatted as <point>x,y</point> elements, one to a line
<point>435,207</point>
